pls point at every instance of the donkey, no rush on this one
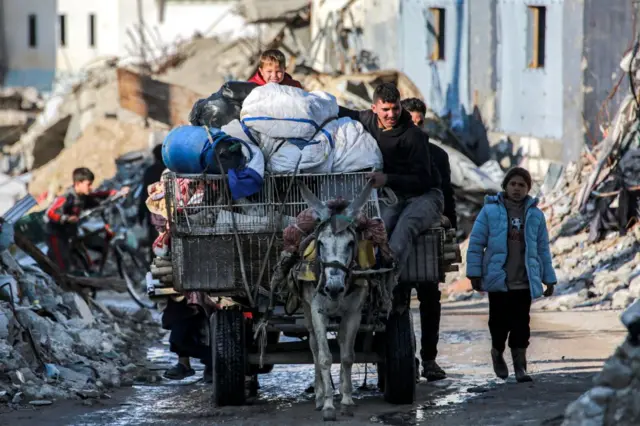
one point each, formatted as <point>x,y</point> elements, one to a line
<point>335,295</point>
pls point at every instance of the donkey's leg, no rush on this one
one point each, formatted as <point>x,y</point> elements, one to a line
<point>325,360</point>
<point>349,326</point>
<point>313,344</point>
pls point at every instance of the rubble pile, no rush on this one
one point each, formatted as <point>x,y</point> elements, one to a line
<point>103,140</point>
<point>21,99</point>
<point>62,345</point>
<point>614,398</point>
<point>592,212</point>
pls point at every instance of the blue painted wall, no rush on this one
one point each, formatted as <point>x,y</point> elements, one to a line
<point>444,84</point>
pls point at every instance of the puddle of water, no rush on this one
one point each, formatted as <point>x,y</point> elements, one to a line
<point>188,402</point>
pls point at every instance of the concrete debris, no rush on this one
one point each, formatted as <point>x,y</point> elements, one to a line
<point>101,143</point>
<point>276,10</point>
<point>75,351</point>
<point>21,99</point>
<point>615,399</point>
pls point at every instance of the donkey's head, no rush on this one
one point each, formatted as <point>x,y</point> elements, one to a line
<point>336,240</point>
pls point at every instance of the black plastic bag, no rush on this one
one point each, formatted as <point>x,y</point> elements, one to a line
<point>221,107</point>
<point>237,90</point>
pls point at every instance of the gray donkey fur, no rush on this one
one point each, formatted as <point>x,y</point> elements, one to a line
<point>335,295</point>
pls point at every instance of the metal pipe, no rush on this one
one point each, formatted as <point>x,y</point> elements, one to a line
<point>307,358</point>
<point>296,328</point>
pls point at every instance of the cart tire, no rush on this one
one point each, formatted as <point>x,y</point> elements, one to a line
<point>399,367</point>
<point>231,357</point>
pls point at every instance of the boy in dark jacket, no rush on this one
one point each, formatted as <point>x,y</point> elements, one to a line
<point>429,293</point>
<point>509,257</point>
<point>272,70</point>
<point>63,215</point>
<point>407,170</point>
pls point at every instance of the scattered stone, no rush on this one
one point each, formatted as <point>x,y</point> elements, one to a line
<point>634,287</point>
<point>17,398</point>
<point>4,396</point>
<point>616,397</point>
<point>4,325</point>
<point>621,299</point>
<point>83,309</point>
<point>88,394</point>
<point>73,378</point>
<point>40,402</point>
<point>631,319</point>
<point>129,368</point>
<point>142,316</point>
<point>479,389</point>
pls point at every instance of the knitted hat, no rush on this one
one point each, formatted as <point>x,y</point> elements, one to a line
<point>517,171</point>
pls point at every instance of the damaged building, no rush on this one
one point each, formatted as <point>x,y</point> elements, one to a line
<point>536,72</point>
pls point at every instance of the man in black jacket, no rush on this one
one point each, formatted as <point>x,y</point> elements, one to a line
<point>407,170</point>
<point>429,293</point>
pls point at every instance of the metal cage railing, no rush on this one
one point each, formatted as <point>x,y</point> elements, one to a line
<point>201,204</point>
<point>212,238</point>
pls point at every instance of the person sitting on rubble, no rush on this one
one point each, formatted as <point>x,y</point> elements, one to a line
<point>64,213</point>
<point>186,316</point>
<point>272,69</point>
<point>509,257</point>
<point>429,293</point>
<point>408,173</point>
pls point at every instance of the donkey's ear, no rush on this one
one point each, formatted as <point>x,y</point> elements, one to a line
<point>356,205</point>
<point>321,210</point>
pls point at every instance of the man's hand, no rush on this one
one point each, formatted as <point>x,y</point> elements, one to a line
<point>476,283</point>
<point>379,179</point>
<point>549,291</point>
<point>125,190</point>
<point>73,219</point>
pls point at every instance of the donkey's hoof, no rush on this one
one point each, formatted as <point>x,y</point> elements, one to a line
<point>347,410</point>
<point>329,414</point>
<point>319,407</point>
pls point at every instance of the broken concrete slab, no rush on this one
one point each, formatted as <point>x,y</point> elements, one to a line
<point>83,309</point>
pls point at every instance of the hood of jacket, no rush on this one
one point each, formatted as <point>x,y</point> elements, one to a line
<point>500,197</point>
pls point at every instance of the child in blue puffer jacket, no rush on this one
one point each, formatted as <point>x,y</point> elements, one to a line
<point>509,257</point>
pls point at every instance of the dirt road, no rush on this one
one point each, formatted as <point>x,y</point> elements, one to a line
<point>567,348</point>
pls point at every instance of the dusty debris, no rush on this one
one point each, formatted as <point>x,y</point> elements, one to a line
<point>103,141</point>
<point>614,399</point>
<point>49,351</point>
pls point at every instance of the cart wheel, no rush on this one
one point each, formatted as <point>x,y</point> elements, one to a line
<point>399,368</point>
<point>229,357</point>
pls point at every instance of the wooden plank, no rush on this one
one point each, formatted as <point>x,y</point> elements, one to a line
<point>99,283</point>
<point>160,101</point>
<point>66,281</point>
<point>43,261</point>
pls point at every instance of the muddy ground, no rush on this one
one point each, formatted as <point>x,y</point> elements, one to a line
<point>567,349</point>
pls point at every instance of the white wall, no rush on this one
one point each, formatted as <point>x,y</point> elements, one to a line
<point>115,21</point>
<point>379,19</point>
<point>16,30</point>
<point>182,20</point>
<point>77,53</point>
